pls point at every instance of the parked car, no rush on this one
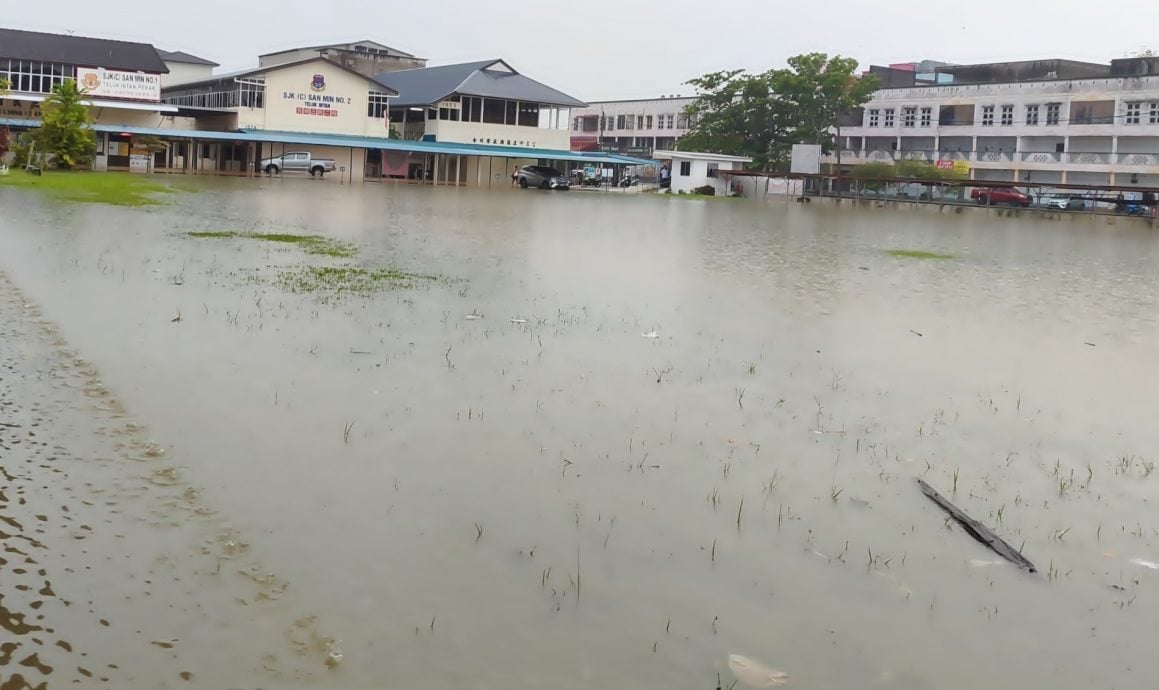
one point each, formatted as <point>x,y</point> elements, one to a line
<point>1063,202</point>
<point>993,196</point>
<point>298,161</point>
<point>543,177</point>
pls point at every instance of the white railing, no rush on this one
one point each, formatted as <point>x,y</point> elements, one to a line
<point>1041,157</point>
<point>1086,158</point>
<point>1141,159</point>
<point>995,157</point>
<point>915,155</point>
<point>954,155</point>
<point>879,156</point>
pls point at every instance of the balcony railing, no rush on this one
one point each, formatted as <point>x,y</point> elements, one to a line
<point>1042,157</point>
<point>1086,158</point>
<point>1141,159</point>
<point>1030,157</point>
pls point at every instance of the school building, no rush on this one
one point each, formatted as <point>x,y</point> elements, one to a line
<point>465,124</point>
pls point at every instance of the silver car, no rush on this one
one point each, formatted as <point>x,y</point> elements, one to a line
<point>543,177</point>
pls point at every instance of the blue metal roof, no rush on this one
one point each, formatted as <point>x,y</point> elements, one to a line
<point>342,141</point>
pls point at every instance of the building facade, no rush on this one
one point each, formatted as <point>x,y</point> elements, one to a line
<point>1050,121</point>
<point>184,67</point>
<point>121,80</point>
<point>635,127</point>
<point>368,58</point>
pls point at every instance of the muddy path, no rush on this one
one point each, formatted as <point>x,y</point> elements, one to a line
<point>114,571</point>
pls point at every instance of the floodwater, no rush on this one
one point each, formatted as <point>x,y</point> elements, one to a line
<point>497,479</point>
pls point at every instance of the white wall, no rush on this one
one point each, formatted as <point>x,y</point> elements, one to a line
<point>698,176</point>
<point>652,106</point>
<point>183,72</point>
<point>289,89</point>
<point>502,135</point>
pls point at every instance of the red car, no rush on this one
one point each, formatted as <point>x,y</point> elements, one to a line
<point>992,196</point>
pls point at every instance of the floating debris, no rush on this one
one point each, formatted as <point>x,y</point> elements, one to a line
<point>518,322</point>
<point>755,674</point>
<point>979,531</point>
<point>652,334</point>
<point>1146,564</point>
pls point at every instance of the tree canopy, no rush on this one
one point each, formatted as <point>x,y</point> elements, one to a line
<point>763,115</point>
<point>64,130</point>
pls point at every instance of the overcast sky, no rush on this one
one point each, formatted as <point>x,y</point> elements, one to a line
<point>602,49</point>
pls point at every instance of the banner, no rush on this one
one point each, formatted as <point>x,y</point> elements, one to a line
<point>111,83</point>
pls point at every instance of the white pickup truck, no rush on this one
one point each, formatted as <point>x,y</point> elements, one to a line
<point>298,161</point>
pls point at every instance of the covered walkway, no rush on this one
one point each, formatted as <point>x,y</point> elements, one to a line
<point>203,152</point>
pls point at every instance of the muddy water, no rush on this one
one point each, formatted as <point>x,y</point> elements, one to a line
<point>460,500</point>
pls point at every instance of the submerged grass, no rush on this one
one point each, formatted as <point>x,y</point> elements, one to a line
<point>916,254</point>
<point>117,189</point>
<point>348,280</point>
<point>311,244</point>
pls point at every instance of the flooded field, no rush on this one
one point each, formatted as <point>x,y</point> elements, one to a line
<point>470,439</point>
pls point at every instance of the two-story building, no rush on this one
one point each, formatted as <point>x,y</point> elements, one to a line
<point>635,127</point>
<point>485,103</point>
<point>1046,121</point>
<point>121,81</point>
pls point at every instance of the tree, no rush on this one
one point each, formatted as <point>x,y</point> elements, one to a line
<point>5,134</point>
<point>65,132</point>
<point>763,115</point>
<point>732,115</point>
<point>816,89</point>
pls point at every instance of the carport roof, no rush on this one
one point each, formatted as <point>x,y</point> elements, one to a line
<point>305,139</point>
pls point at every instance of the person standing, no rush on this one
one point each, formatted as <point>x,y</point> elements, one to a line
<point>665,177</point>
<point>514,175</point>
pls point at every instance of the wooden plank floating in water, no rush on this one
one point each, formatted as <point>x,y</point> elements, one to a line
<point>977,530</point>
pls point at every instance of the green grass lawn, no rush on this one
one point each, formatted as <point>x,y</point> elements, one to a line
<point>916,254</point>
<point>118,189</point>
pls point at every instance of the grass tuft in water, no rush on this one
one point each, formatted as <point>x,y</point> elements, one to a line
<point>348,280</point>
<point>917,254</point>
<point>311,244</point>
<point>116,189</point>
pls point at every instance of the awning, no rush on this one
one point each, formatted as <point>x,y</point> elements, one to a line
<point>340,141</point>
<point>96,103</point>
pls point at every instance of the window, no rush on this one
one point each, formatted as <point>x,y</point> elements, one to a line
<point>712,169</point>
<point>889,117</point>
<point>927,116</point>
<point>1007,115</point>
<point>620,122</point>
<point>1032,115</point>
<point>1134,111</point>
<point>987,116</point>
<point>252,93</point>
<point>909,117</point>
<point>528,115</point>
<point>648,121</point>
<point>681,121</point>
<point>1052,113</point>
<point>33,77</point>
<point>1154,114</point>
<point>376,104</point>
<point>611,124</point>
<point>639,122</point>
<point>685,167</point>
<point>874,115</point>
<point>671,121</point>
<point>575,124</point>
<point>493,109</point>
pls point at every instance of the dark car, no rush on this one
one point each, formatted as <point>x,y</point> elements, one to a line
<point>543,177</point>
<point>992,196</point>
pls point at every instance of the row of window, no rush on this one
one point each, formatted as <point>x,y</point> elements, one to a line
<point>611,123</point>
<point>31,76</point>
<point>1135,114</point>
